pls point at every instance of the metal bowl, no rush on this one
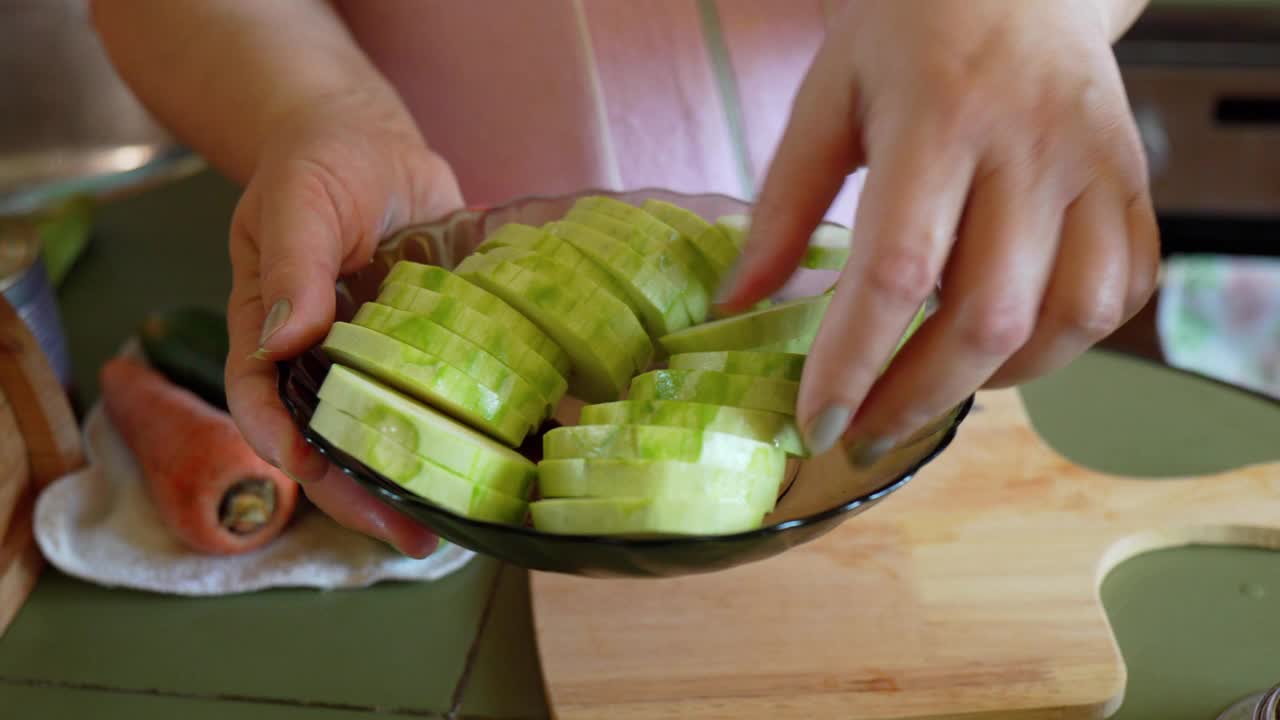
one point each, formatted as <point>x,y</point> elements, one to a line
<point>70,125</point>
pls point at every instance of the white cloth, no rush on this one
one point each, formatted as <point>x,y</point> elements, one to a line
<point>99,524</point>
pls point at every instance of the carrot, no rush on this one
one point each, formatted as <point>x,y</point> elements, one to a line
<point>213,492</point>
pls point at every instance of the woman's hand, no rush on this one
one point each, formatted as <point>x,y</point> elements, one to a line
<point>1003,164</point>
<point>279,97</point>
<point>329,183</point>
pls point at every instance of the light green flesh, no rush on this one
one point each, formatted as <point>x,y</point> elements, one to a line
<point>818,258</point>
<point>601,368</point>
<point>655,442</point>
<point>517,234</point>
<point>773,428</point>
<point>643,516</point>
<point>655,479</point>
<point>604,304</point>
<point>426,378</point>
<point>483,330</point>
<point>797,345</point>
<point>655,298</point>
<point>415,474</point>
<point>828,249</point>
<point>734,227</point>
<point>493,256</point>
<point>791,319</point>
<point>672,254</point>
<point>716,247</point>
<point>527,237</point>
<point>680,243</point>
<point>719,249</point>
<point>685,221</point>
<point>427,433</point>
<point>803,344</point>
<point>761,305</point>
<point>598,302</point>
<point>444,282</point>
<point>717,388</point>
<point>425,335</point>
<point>782,366</point>
<point>627,214</point>
<point>658,250</point>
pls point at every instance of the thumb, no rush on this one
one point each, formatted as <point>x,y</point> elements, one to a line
<point>818,150</point>
<point>304,229</point>
<point>312,228</point>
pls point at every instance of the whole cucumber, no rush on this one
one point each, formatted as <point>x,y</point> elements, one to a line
<point>189,345</point>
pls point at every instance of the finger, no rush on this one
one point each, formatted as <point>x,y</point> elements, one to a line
<point>906,220</point>
<point>269,429</point>
<point>1085,300</point>
<point>300,240</point>
<point>990,295</point>
<point>819,148</point>
<point>253,401</point>
<point>353,507</point>
<point>1144,254</point>
<point>1125,161</point>
<point>250,378</point>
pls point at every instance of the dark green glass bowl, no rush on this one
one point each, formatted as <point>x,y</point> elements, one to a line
<point>819,493</point>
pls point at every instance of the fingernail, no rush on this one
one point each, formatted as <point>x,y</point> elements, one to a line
<point>292,477</point>
<point>259,354</point>
<point>275,320</point>
<point>864,452</point>
<point>826,428</point>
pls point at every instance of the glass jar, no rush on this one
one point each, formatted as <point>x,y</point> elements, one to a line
<point>1263,706</point>
<point>24,283</point>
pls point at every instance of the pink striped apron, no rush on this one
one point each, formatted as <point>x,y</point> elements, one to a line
<point>548,96</point>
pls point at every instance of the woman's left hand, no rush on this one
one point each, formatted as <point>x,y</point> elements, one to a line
<point>1003,164</point>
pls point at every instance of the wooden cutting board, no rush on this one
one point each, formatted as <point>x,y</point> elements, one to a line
<point>974,589</point>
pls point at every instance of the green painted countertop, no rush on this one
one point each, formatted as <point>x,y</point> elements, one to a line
<point>1197,626</point>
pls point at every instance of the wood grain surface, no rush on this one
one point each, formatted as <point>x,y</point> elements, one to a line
<point>13,464</point>
<point>973,591</point>
<point>39,403</point>
<point>20,559</point>
<point>39,442</point>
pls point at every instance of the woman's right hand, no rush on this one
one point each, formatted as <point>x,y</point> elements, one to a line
<point>330,181</point>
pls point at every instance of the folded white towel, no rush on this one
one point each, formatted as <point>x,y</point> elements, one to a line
<point>99,524</point>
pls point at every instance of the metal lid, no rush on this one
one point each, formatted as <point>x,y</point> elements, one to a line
<point>1261,706</point>
<point>1269,707</point>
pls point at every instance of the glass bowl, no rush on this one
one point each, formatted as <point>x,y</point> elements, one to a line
<point>819,493</point>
